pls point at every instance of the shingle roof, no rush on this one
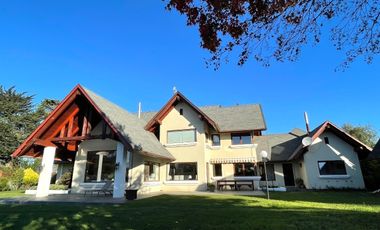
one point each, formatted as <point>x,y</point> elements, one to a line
<point>231,118</point>
<point>130,127</point>
<point>279,146</point>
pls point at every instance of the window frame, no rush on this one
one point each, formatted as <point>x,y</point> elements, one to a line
<point>97,166</point>
<point>329,173</point>
<point>158,171</point>
<point>171,177</point>
<point>179,130</point>
<point>240,135</point>
<point>244,169</point>
<point>212,140</point>
<point>215,171</point>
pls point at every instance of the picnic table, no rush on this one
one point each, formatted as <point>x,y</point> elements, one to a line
<point>234,184</point>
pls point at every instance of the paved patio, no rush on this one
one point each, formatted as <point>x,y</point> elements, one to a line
<point>93,199</point>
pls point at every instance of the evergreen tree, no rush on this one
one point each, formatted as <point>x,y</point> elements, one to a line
<point>18,117</point>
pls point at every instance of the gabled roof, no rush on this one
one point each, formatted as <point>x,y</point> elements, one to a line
<point>131,128</point>
<point>128,128</point>
<point>226,119</point>
<point>279,146</point>
<point>337,131</point>
<point>177,97</point>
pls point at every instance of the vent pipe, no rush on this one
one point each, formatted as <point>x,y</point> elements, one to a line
<point>139,113</point>
<point>307,123</point>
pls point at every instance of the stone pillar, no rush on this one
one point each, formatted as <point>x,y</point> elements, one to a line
<point>46,171</point>
<point>120,172</point>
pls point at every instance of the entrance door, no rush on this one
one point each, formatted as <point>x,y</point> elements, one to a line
<point>288,174</point>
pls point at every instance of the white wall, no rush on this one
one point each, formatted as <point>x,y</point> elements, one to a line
<point>337,149</point>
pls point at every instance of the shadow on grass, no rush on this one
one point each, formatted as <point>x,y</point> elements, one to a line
<point>184,212</point>
<point>331,197</point>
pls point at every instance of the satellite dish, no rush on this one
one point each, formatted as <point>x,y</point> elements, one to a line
<point>306,141</point>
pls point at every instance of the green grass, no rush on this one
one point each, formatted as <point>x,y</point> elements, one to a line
<point>11,194</point>
<point>301,210</point>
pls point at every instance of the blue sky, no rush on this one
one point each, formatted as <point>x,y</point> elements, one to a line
<point>131,51</point>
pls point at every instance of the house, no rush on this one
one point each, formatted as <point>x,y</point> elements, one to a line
<point>184,147</point>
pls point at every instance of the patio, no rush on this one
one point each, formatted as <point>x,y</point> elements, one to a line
<point>101,199</point>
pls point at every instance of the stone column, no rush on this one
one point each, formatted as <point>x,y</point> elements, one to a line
<point>120,172</point>
<point>46,171</point>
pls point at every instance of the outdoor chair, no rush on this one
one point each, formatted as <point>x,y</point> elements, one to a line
<point>106,189</point>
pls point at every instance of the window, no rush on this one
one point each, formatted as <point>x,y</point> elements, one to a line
<point>327,141</point>
<point>215,139</point>
<point>151,171</point>
<point>217,169</point>
<point>241,138</point>
<point>181,111</point>
<point>182,171</point>
<point>244,169</point>
<point>332,168</point>
<point>181,136</point>
<point>100,166</point>
<point>270,171</point>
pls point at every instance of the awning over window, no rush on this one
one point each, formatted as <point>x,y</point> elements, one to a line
<point>231,160</point>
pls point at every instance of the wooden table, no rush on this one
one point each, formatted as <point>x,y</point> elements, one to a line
<point>236,184</point>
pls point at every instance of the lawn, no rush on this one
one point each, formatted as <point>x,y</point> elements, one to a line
<point>298,210</point>
<point>11,194</point>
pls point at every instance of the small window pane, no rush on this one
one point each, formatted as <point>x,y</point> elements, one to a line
<point>151,171</point>
<point>270,171</point>
<point>215,140</point>
<point>246,139</point>
<point>235,140</point>
<point>332,168</point>
<point>217,169</point>
<point>181,136</point>
<point>244,169</point>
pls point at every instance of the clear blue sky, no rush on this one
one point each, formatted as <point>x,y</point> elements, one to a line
<point>131,51</point>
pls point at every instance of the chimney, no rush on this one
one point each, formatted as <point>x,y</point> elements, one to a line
<point>307,123</point>
<point>139,114</point>
<point>175,90</point>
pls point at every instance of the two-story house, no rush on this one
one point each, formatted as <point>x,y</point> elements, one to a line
<point>183,147</point>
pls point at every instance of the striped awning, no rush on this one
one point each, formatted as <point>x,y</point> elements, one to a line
<point>231,160</point>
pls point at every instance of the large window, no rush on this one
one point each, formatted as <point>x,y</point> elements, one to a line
<point>217,169</point>
<point>244,169</point>
<point>181,136</point>
<point>215,140</point>
<point>151,171</point>
<point>332,168</point>
<point>182,171</point>
<point>241,138</point>
<point>270,171</point>
<point>100,166</point>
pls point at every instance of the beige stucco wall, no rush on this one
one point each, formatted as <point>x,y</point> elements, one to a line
<point>336,150</point>
<point>194,152</point>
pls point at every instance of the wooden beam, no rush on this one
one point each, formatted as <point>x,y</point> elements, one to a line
<point>70,128</point>
<point>77,138</point>
<point>104,130</point>
<point>84,126</point>
<point>63,131</point>
<point>76,110</point>
<point>45,143</point>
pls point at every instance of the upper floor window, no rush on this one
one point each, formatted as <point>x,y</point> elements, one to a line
<point>332,168</point>
<point>181,136</point>
<point>241,138</point>
<point>215,139</point>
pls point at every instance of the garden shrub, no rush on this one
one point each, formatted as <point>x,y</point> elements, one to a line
<point>3,184</point>
<point>65,179</point>
<point>30,177</point>
<point>58,187</point>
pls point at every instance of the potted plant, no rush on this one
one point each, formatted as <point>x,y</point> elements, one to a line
<point>211,187</point>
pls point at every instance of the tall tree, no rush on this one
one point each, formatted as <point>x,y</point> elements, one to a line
<point>278,29</point>
<point>365,134</point>
<point>18,117</point>
<point>370,168</point>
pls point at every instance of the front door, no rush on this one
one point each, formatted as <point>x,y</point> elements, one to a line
<point>288,174</point>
